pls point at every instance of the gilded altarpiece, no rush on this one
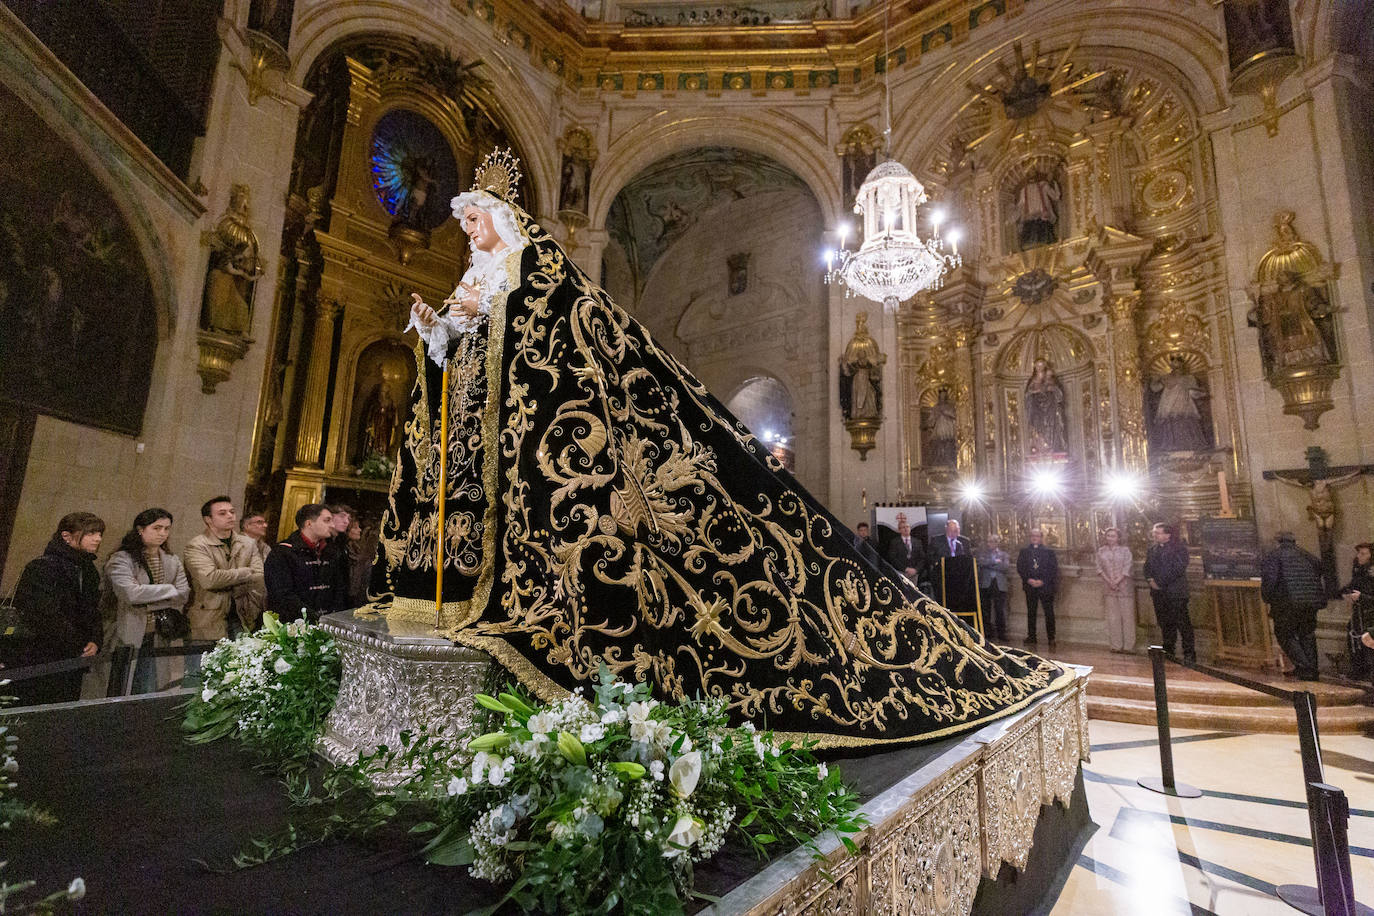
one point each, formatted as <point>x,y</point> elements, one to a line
<point>394,133</point>
<point>1081,339</point>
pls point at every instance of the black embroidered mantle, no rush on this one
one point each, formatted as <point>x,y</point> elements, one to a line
<point>604,507</point>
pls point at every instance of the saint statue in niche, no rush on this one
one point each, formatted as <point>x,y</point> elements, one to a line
<point>1045,426</point>
<point>861,374</point>
<point>235,265</point>
<point>1178,424</point>
<point>572,188</point>
<point>1037,212</point>
<point>738,265</point>
<point>942,427</point>
<point>379,429</point>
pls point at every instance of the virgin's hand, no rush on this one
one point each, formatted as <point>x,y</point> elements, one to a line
<point>90,649</point>
<point>1367,640</point>
<point>465,299</point>
<point>424,316</point>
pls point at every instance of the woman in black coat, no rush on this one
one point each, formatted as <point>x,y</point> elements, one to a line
<point>1359,591</point>
<point>58,601</point>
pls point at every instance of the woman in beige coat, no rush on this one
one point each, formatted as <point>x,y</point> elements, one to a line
<point>141,578</point>
<point>1118,591</point>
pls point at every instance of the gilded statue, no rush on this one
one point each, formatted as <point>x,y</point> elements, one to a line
<point>942,429</point>
<point>1297,330</point>
<point>1046,429</point>
<point>1037,212</point>
<point>861,374</point>
<point>1292,312</point>
<point>235,266</point>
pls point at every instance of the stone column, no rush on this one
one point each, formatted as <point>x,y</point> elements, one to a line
<point>1130,451</point>
<point>1115,261</point>
<point>310,441</point>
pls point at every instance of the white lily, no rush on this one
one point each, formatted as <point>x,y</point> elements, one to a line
<point>685,773</point>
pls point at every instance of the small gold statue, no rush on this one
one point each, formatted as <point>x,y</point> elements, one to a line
<point>235,266</point>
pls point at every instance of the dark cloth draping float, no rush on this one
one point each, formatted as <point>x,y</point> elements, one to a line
<point>603,507</point>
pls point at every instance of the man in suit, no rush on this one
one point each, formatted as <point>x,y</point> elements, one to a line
<point>1038,568</point>
<point>951,545</point>
<point>905,552</point>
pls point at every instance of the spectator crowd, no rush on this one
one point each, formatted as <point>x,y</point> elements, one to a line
<point>145,597</point>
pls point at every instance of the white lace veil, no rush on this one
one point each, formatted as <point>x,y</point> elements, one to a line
<point>502,220</point>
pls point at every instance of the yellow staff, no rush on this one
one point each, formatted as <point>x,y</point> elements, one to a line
<point>443,491</point>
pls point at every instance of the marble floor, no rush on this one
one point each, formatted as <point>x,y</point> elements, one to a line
<point>1225,852</point>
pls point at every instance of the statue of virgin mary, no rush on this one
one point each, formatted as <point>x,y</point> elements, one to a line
<point>603,507</point>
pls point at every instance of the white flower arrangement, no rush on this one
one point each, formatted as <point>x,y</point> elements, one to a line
<point>272,689</point>
<point>583,804</point>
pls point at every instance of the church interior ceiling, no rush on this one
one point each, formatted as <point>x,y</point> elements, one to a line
<point>662,203</point>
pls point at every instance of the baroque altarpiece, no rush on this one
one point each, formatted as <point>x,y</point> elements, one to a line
<point>393,134</point>
<point>1083,338</point>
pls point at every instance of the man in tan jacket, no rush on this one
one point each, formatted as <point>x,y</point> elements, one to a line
<point>225,568</point>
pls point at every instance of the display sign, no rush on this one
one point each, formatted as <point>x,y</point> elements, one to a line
<point>1230,548</point>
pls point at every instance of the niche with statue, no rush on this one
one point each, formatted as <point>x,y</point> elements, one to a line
<point>1034,204</point>
<point>382,382</point>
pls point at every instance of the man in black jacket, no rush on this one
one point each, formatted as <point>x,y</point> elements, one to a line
<point>302,579</point>
<point>1166,571</point>
<point>1291,584</point>
<point>1038,568</point>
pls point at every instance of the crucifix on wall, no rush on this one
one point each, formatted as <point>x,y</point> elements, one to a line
<point>1321,480</point>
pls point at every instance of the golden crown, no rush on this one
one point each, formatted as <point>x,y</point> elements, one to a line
<point>499,173</point>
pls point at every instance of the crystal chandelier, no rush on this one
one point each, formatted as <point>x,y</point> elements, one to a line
<point>894,263</point>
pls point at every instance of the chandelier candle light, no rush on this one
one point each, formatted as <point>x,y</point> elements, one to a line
<point>894,263</point>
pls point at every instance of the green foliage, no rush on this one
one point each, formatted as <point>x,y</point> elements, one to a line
<point>586,806</point>
<point>272,690</point>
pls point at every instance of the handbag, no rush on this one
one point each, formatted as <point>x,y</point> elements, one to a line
<point>171,623</point>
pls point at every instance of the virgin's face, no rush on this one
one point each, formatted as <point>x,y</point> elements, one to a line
<point>1112,538</point>
<point>477,224</point>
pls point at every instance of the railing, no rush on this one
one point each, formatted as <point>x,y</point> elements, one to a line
<point>121,659</point>
<point>1328,810</point>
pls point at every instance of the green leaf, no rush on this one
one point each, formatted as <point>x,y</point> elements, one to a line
<point>457,851</point>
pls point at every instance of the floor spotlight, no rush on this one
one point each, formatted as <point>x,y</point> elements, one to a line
<point>970,491</point>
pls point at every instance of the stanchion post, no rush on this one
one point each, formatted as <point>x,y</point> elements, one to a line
<point>1165,784</point>
<point>1328,811</point>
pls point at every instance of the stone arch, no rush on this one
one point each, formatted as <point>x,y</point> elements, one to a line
<point>767,135</point>
<point>317,32</point>
<point>759,402</point>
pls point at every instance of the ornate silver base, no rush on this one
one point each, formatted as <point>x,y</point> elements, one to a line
<point>936,834</point>
<point>396,677</point>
